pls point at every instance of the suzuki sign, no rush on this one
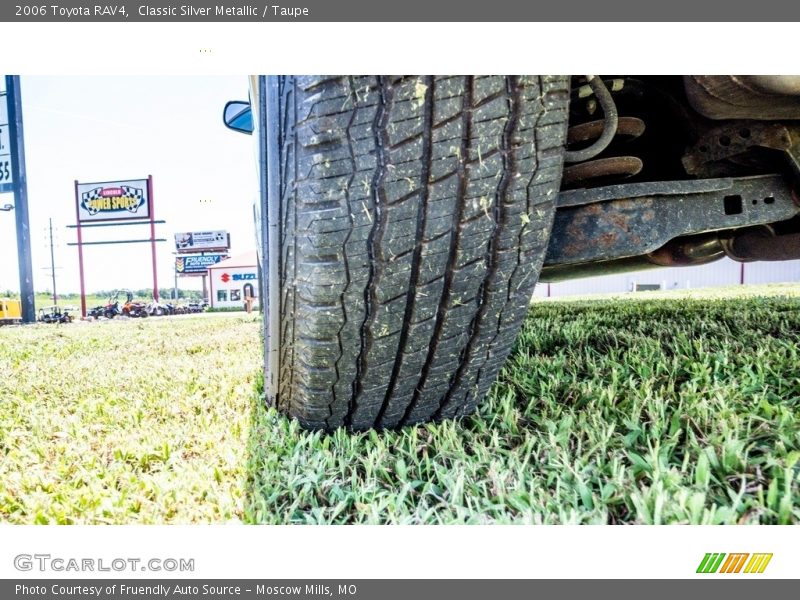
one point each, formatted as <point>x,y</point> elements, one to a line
<point>225,277</point>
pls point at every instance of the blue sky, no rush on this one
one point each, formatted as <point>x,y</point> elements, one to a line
<point>109,128</point>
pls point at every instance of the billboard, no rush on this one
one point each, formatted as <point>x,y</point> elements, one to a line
<point>196,264</point>
<point>202,241</point>
<point>113,200</point>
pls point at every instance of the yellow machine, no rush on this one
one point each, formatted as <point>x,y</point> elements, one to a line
<point>10,311</point>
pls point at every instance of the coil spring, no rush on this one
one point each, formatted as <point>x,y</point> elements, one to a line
<point>603,169</point>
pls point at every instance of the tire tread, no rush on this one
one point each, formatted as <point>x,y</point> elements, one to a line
<point>415,218</point>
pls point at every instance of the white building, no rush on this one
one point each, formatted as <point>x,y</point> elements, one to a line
<point>719,273</point>
<point>233,279</point>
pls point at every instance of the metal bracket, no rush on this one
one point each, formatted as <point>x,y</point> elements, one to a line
<point>622,221</point>
<point>735,139</point>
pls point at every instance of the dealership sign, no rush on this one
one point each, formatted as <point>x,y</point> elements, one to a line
<point>6,183</point>
<point>113,200</point>
<point>225,277</point>
<point>202,241</point>
<point>196,264</point>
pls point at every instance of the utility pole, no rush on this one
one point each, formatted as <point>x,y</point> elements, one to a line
<point>53,264</point>
<point>20,180</point>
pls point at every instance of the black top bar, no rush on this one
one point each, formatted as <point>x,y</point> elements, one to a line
<point>406,11</point>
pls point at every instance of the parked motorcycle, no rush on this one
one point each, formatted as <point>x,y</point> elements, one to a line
<point>54,314</point>
<point>112,309</point>
<point>136,310</point>
<point>156,309</point>
<point>196,307</point>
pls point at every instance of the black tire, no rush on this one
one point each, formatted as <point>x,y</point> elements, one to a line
<point>415,216</point>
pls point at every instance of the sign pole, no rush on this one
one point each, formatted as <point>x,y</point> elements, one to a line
<point>152,236</point>
<point>80,251</point>
<point>20,181</point>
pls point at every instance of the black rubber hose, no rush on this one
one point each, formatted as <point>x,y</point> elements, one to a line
<point>611,119</point>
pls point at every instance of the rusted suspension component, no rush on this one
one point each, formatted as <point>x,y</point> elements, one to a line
<point>610,122</point>
<point>601,169</point>
<point>716,149</point>
<point>627,227</point>
<point>584,168</point>
<point>628,128</point>
<point>752,244</point>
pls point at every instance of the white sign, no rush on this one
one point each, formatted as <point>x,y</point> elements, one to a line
<point>5,148</point>
<point>113,200</point>
<point>201,241</point>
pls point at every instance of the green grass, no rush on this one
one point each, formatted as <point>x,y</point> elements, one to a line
<point>126,421</point>
<point>646,409</point>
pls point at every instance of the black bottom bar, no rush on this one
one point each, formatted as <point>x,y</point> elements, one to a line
<point>730,588</point>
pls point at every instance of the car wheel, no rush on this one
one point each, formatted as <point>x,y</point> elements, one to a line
<point>415,214</point>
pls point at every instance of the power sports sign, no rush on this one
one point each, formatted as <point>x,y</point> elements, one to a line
<point>113,200</point>
<point>196,264</point>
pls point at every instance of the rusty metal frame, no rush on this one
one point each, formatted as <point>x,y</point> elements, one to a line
<point>623,221</point>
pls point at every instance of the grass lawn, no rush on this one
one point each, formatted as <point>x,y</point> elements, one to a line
<point>678,408</point>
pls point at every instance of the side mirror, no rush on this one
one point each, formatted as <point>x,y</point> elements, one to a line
<point>238,116</point>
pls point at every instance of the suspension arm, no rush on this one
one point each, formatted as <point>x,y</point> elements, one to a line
<point>616,224</point>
